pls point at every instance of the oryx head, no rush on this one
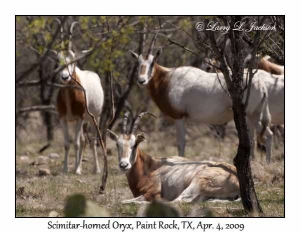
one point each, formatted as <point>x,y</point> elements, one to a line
<point>146,63</point>
<point>66,56</point>
<point>127,143</point>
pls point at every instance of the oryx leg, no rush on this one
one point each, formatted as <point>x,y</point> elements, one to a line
<point>252,132</point>
<point>139,200</point>
<point>237,199</point>
<point>64,125</point>
<point>281,130</point>
<point>78,132</point>
<point>278,134</point>
<point>82,149</point>
<point>207,187</point>
<point>94,148</point>
<point>266,138</point>
<point>191,193</point>
<point>180,132</point>
<point>275,135</point>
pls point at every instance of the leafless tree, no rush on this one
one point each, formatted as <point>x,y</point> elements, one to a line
<point>228,50</point>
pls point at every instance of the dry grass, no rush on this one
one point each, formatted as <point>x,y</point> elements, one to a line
<point>38,196</point>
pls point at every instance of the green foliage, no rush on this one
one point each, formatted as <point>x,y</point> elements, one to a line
<point>18,19</point>
<point>185,24</point>
<point>37,25</point>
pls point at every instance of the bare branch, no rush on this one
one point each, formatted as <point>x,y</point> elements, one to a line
<point>36,108</point>
<point>224,89</point>
<point>50,84</point>
<point>42,58</point>
<point>181,46</point>
<point>60,68</point>
<point>112,116</point>
<point>100,139</point>
<point>220,55</point>
<point>144,31</point>
<point>253,57</point>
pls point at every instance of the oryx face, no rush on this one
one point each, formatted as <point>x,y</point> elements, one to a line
<point>127,148</point>
<point>126,145</point>
<point>145,69</point>
<point>206,66</point>
<point>66,57</point>
<point>146,65</point>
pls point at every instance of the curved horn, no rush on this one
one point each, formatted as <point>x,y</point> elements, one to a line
<point>71,34</point>
<point>125,122</point>
<point>154,39</point>
<point>137,120</point>
<point>152,44</point>
<point>61,33</point>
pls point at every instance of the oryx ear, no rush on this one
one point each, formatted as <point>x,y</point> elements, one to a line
<point>247,59</point>
<point>157,54</point>
<point>53,52</point>
<point>140,138</point>
<point>134,55</point>
<point>112,135</point>
<point>53,55</point>
<point>86,51</point>
<point>82,53</point>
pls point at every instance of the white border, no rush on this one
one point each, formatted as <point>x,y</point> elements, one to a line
<point>7,43</point>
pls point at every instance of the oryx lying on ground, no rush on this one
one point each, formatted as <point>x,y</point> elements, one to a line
<point>171,179</point>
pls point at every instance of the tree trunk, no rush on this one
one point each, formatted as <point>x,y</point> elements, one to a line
<point>121,101</point>
<point>242,160</point>
<point>46,96</point>
<point>236,90</point>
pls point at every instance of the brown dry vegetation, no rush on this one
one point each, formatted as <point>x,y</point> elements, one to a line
<point>39,195</point>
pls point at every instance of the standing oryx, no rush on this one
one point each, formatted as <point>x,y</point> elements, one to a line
<point>188,92</point>
<point>273,77</point>
<point>71,103</point>
<point>263,63</point>
<point>275,87</point>
<point>171,179</point>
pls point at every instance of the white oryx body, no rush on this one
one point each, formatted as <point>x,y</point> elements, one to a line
<point>201,97</point>
<point>71,105</point>
<point>275,86</point>
<point>94,92</point>
<point>72,108</point>
<point>172,179</point>
<point>90,81</point>
<point>273,82</point>
<point>188,92</point>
